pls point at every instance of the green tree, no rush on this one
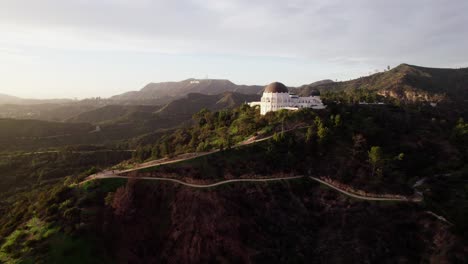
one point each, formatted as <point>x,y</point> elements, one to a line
<point>278,137</point>
<point>310,135</point>
<point>164,149</point>
<point>155,153</point>
<point>322,130</point>
<point>375,158</point>
<point>201,147</point>
<point>201,118</point>
<point>460,137</point>
<point>337,121</point>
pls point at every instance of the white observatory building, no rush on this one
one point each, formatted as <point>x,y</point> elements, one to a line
<point>276,97</point>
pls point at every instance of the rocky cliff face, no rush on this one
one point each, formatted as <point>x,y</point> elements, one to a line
<point>412,95</point>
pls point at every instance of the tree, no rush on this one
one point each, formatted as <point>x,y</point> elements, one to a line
<point>164,149</point>
<point>359,146</point>
<point>155,151</point>
<point>337,121</point>
<point>375,158</point>
<point>222,133</point>
<point>201,118</point>
<point>278,137</point>
<point>203,146</point>
<point>460,137</point>
<point>322,130</point>
<point>310,135</point>
<point>194,139</point>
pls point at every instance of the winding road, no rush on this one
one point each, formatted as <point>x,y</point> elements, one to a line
<point>365,197</point>
<point>194,185</point>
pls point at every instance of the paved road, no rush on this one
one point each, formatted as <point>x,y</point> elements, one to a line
<point>356,196</point>
<point>441,218</point>
<point>197,185</point>
<point>364,197</point>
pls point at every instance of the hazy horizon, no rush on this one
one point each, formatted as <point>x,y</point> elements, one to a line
<point>82,49</point>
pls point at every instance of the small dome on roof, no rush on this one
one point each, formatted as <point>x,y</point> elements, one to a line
<point>315,92</point>
<point>276,87</point>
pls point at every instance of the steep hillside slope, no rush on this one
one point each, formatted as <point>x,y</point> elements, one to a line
<point>409,83</point>
<point>280,222</point>
<point>290,222</point>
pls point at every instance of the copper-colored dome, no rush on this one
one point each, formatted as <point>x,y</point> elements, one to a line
<point>276,87</point>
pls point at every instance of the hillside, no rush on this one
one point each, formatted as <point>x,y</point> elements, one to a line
<point>116,122</point>
<point>407,83</point>
<point>165,91</point>
<point>307,89</point>
<point>12,129</point>
<point>36,135</point>
<point>194,102</point>
<point>283,222</point>
<point>180,109</point>
<point>112,113</point>
<point>8,99</point>
<point>5,98</point>
<point>46,112</point>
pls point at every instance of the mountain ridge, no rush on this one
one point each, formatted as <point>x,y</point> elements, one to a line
<point>10,99</point>
<point>173,90</point>
<point>408,83</point>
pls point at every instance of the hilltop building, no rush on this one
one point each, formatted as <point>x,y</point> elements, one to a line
<point>276,97</point>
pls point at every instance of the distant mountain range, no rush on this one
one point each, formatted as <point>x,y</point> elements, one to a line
<point>180,109</point>
<point>8,99</point>
<point>407,83</point>
<point>181,97</point>
<point>160,106</point>
<point>167,91</point>
<point>116,122</point>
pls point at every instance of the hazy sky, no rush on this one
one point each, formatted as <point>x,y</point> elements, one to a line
<point>84,48</point>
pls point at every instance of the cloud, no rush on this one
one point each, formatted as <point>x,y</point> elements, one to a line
<point>314,29</point>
